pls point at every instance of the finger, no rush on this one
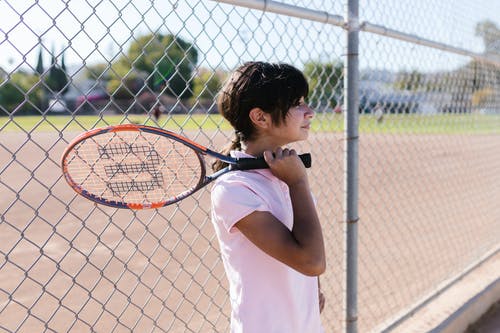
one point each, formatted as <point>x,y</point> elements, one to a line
<point>278,153</point>
<point>268,156</point>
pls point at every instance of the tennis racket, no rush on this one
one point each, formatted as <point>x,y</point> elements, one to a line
<point>139,167</point>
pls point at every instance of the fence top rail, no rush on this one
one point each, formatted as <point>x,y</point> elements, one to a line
<point>384,31</point>
<point>288,10</point>
<point>338,20</point>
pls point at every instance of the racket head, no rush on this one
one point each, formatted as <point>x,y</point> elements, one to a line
<point>133,166</point>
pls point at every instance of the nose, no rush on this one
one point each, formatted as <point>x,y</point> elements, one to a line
<point>309,112</point>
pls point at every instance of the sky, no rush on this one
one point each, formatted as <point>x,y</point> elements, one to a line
<point>96,31</point>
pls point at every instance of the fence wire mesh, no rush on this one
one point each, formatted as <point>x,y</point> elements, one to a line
<point>428,159</point>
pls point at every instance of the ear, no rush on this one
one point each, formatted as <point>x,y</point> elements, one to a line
<point>260,118</point>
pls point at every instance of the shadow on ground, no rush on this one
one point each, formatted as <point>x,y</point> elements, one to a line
<point>489,322</point>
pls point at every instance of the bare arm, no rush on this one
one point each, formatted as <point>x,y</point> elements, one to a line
<point>302,248</point>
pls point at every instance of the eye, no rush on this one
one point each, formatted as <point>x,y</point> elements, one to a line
<point>301,102</point>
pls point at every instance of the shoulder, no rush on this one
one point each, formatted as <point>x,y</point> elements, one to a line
<point>241,187</point>
<point>236,195</point>
<point>243,178</point>
<point>235,181</point>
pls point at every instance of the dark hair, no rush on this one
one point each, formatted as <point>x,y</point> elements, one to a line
<point>274,88</point>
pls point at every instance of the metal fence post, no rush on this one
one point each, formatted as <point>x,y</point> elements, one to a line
<point>351,162</point>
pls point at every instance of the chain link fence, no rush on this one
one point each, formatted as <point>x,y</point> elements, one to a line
<point>429,147</point>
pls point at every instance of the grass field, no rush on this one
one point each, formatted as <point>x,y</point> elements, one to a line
<point>391,124</point>
<point>81,123</point>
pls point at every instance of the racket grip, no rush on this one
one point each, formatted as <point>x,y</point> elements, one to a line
<point>260,163</point>
<point>306,159</point>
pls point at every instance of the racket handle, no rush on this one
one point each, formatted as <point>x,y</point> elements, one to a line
<point>260,163</point>
<point>306,159</point>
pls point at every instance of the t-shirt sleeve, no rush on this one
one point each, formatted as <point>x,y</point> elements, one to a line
<point>233,201</point>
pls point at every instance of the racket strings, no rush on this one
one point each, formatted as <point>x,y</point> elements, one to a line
<point>184,173</point>
<point>82,169</point>
<point>135,167</point>
<point>125,187</point>
<point>128,168</point>
<point>122,149</point>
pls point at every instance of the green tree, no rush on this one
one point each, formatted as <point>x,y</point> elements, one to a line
<point>99,71</point>
<point>20,93</point>
<point>483,97</point>
<point>325,82</point>
<point>481,74</point>
<point>39,64</point>
<point>167,61</point>
<point>57,80</point>
<point>125,81</point>
<point>409,80</point>
<point>207,84</point>
<point>490,33</point>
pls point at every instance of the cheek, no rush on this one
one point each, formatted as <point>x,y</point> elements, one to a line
<point>299,117</point>
<point>295,115</point>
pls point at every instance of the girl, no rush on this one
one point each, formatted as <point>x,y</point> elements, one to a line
<point>265,220</point>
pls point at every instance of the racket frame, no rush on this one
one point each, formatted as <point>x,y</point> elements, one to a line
<point>234,164</point>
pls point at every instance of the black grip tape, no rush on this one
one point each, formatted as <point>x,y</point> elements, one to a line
<point>260,163</point>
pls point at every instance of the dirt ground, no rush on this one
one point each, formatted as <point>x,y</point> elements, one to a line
<point>428,208</point>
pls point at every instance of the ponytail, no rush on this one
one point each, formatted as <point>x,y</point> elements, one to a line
<point>235,144</point>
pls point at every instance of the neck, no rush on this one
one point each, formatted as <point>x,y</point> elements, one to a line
<point>259,145</point>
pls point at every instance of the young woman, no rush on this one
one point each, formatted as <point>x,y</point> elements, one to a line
<point>266,222</point>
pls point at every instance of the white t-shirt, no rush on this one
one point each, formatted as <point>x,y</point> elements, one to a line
<point>266,295</point>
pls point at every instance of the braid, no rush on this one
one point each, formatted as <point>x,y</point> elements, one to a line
<point>234,145</point>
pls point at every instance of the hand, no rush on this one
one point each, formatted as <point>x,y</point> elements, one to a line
<point>286,165</point>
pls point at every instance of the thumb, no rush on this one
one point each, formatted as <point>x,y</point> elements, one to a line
<point>268,156</point>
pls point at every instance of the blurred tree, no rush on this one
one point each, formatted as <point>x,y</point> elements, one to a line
<point>167,61</point>
<point>57,80</point>
<point>482,74</point>
<point>39,64</point>
<point>325,82</point>
<point>129,86</point>
<point>97,72</point>
<point>490,33</point>
<point>409,80</point>
<point>63,63</point>
<point>483,97</point>
<point>207,84</point>
<point>20,93</point>
<point>125,82</point>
